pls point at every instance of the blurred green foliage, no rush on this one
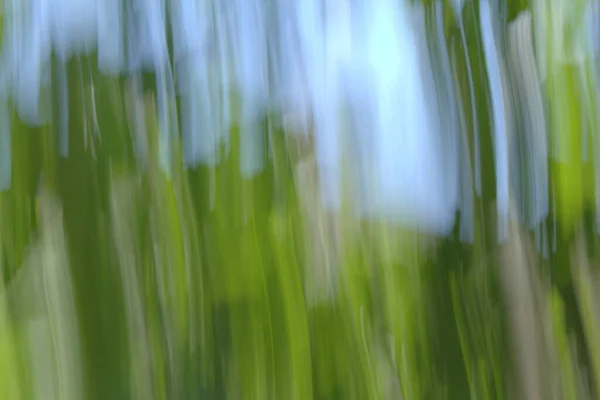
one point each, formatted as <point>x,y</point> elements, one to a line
<point>120,280</point>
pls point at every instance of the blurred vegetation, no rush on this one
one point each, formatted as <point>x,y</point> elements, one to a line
<point>127,275</point>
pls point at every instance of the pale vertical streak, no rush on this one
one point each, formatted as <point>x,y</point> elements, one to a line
<point>518,164</point>
<point>60,301</point>
<point>532,132</point>
<point>596,150</point>
<point>440,147</point>
<point>63,109</point>
<point>198,118</point>
<point>146,35</point>
<point>467,216</point>
<point>13,38</point>
<point>191,25</point>
<point>363,99</point>
<point>5,147</point>
<point>585,114</point>
<point>328,150</point>
<point>588,76</point>
<point>83,107</point>
<point>476,147</point>
<point>251,78</point>
<point>321,36</point>
<point>524,134</point>
<point>152,42</point>
<point>127,251</point>
<point>223,42</point>
<point>290,70</point>
<point>596,155</point>
<point>446,106</point>
<point>309,20</point>
<point>537,124</point>
<point>74,26</point>
<point>540,17</point>
<point>34,61</point>
<point>137,114</point>
<point>516,281</point>
<point>164,102</point>
<point>154,54</point>
<point>538,127</point>
<point>390,46</point>
<point>362,149</point>
<point>111,52</point>
<point>554,230</point>
<point>132,36</point>
<point>593,26</point>
<point>545,251</point>
<point>409,162</point>
<point>499,117</point>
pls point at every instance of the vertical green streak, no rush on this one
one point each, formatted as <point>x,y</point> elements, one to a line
<point>98,292</point>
